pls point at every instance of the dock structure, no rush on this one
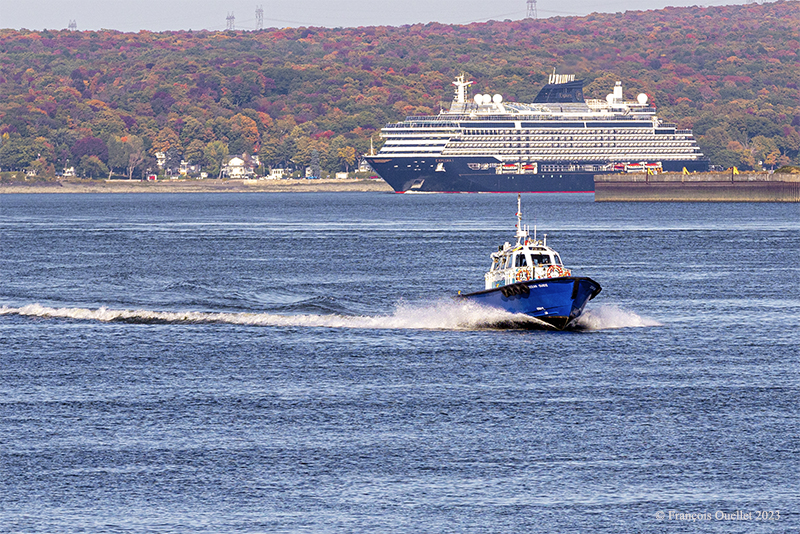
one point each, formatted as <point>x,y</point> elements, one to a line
<point>697,187</point>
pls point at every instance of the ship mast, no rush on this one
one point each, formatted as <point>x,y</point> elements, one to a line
<point>461,84</point>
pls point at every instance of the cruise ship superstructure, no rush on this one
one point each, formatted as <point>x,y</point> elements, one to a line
<point>556,143</point>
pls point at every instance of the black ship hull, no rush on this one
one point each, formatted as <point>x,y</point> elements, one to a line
<point>452,175</point>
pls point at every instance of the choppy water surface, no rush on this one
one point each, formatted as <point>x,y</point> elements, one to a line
<point>295,363</point>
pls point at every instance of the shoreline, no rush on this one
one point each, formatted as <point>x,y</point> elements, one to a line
<point>195,186</point>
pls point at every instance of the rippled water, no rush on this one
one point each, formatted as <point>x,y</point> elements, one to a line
<point>295,363</point>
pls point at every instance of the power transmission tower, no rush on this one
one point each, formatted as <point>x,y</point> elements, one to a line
<point>230,19</point>
<point>259,17</point>
<point>73,26</point>
<point>531,10</point>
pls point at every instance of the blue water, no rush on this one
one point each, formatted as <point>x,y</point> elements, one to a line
<point>295,363</point>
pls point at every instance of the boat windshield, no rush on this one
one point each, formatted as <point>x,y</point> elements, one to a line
<point>540,259</point>
<point>520,261</point>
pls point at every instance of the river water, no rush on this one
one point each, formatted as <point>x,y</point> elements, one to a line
<point>296,363</point>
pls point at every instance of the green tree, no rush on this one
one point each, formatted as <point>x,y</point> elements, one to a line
<point>92,166</point>
<point>166,139</point>
<point>766,151</point>
<point>117,153</point>
<point>195,152</point>
<point>285,151</point>
<point>789,143</point>
<point>305,147</point>
<point>136,154</point>
<point>715,144</point>
<point>244,137</point>
<point>215,154</point>
<point>43,168</point>
<point>193,130</point>
<point>268,153</point>
<point>126,153</point>
<point>16,153</point>
<point>348,156</point>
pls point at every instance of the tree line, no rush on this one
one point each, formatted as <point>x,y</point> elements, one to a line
<point>108,101</point>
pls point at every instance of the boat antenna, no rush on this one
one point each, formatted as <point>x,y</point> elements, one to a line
<point>521,231</point>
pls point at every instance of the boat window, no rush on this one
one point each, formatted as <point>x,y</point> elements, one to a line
<point>520,261</point>
<point>540,259</point>
<point>558,260</point>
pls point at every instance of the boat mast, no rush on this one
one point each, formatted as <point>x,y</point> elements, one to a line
<point>522,232</point>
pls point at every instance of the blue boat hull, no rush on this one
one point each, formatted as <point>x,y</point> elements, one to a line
<point>556,301</point>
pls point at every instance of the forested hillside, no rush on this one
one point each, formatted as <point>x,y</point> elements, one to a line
<point>109,99</point>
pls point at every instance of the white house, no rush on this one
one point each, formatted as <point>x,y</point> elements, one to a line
<point>276,174</point>
<point>240,167</point>
<point>364,166</point>
<point>235,168</point>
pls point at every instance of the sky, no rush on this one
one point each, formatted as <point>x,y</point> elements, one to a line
<point>162,15</point>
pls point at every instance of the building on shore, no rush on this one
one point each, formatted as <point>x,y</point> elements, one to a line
<point>276,174</point>
<point>240,167</point>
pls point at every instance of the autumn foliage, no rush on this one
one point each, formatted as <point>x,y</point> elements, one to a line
<point>108,100</point>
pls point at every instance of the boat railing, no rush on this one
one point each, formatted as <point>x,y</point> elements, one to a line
<point>525,274</point>
<point>427,120</point>
<point>450,120</point>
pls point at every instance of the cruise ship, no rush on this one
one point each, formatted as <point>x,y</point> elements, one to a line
<point>557,143</point>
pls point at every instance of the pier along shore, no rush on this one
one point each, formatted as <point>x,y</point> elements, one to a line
<point>193,186</point>
<point>699,187</point>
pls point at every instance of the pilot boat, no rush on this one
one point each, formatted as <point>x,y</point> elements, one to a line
<point>529,278</point>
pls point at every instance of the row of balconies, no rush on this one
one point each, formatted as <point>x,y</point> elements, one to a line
<point>497,146</point>
<point>583,132</point>
<point>601,154</point>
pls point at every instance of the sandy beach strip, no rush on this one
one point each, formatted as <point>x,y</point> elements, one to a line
<point>194,186</point>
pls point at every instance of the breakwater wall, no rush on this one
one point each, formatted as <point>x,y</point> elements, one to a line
<point>699,187</point>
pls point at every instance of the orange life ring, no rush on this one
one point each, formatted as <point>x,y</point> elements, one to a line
<point>522,275</point>
<point>554,271</point>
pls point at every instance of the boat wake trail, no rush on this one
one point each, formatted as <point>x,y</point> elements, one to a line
<point>608,317</point>
<point>442,315</point>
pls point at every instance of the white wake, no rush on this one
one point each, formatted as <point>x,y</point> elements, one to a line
<point>441,315</point>
<point>610,316</point>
